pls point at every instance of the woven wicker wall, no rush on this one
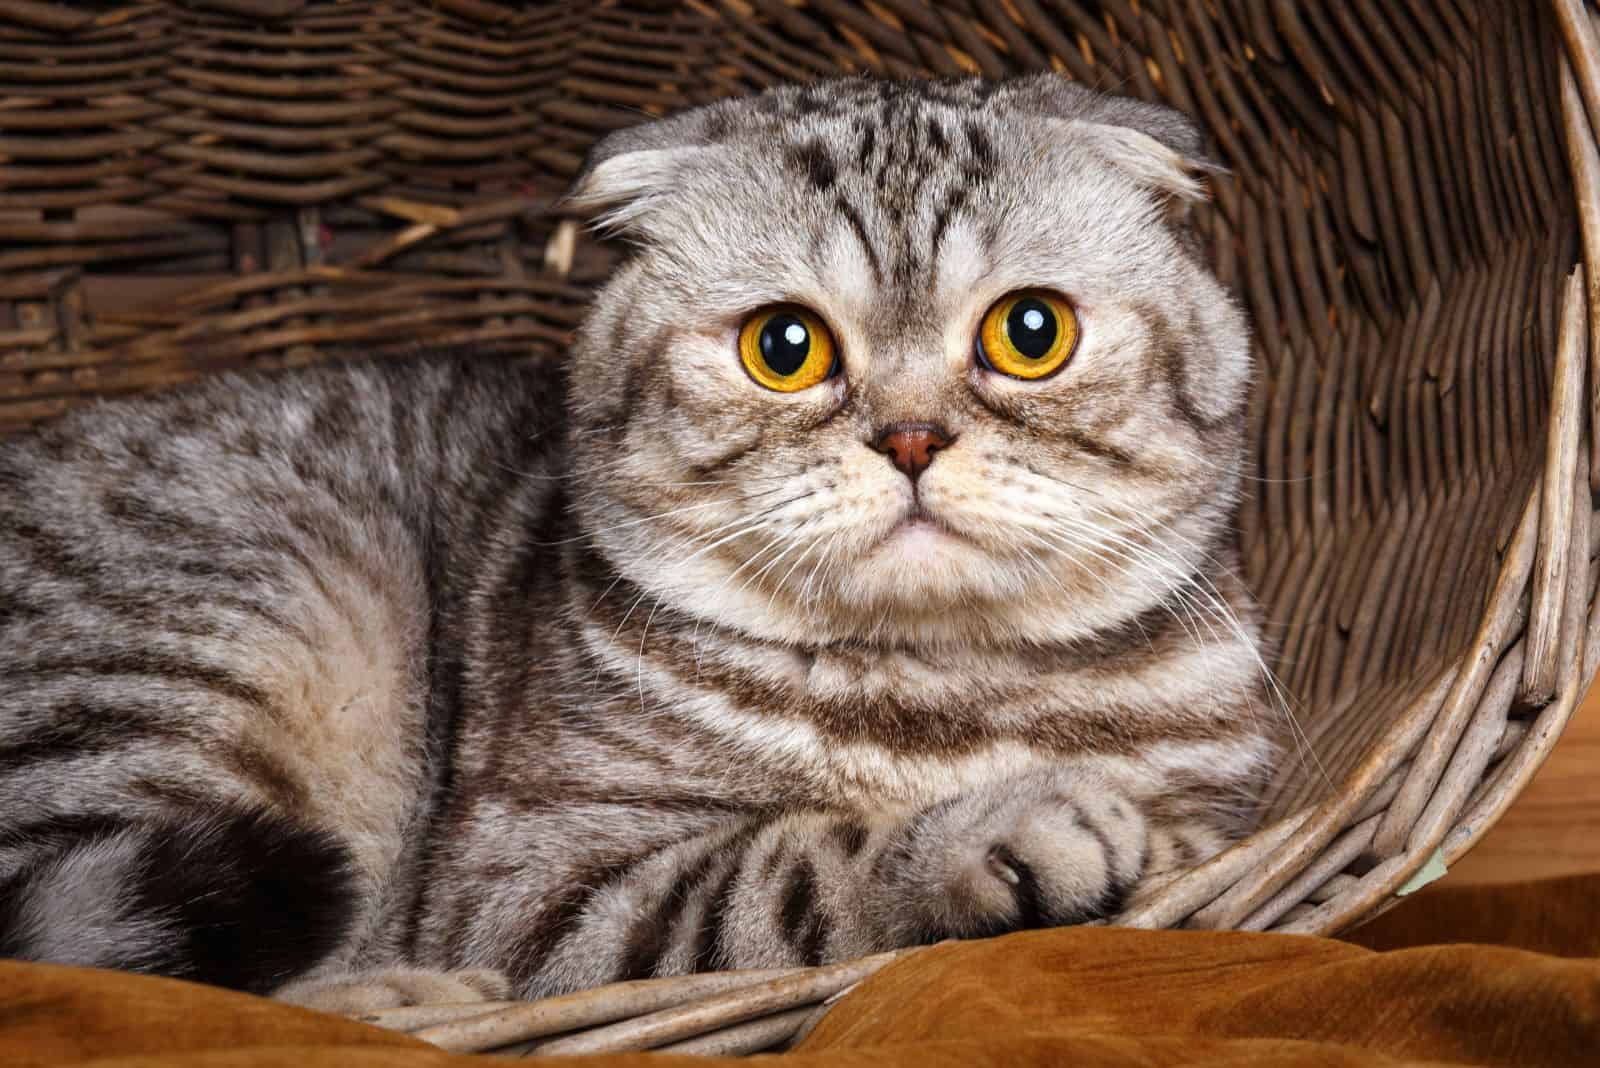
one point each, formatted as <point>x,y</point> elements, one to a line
<point>190,186</point>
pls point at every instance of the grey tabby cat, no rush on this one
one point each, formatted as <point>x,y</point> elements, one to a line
<point>867,581</point>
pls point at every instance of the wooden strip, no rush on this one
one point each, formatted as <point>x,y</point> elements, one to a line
<point>283,192</point>
<point>1286,16</point>
<point>1495,634</point>
<point>507,1024</point>
<point>274,164</point>
<point>741,1039</point>
<point>1489,802</point>
<point>509,48</point>
<point>891,40</point>
<point>1523,78</point>
<point>1540,39</point>
<point>415,1017</point>
<point>1260,858</point>
<point>763,998</point>
<point>1581,59</point>
<point>47,16</point>
<point>278,88</point>
<point>523,82</point>
<point>59,118</point>
<point>1584,161</point>
<point>457,59</point>
<point>63,199</point>
<point>1333,860</point>
<point>295,137</point>
<point>1479,745</point>
<point>292,62</point>
<point>308,42</point>
<point>1333,816</point>
<point>1561,458</point>
<point>79,147</point>
<point>79,48</point>
<point>1475,166</point>
<point>311,113</point>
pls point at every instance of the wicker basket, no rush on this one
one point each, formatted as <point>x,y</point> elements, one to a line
<point>186,187</point>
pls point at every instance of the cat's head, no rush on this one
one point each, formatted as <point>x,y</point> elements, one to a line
<point>926,361</point>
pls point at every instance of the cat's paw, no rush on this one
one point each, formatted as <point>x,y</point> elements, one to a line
<point>355,993</point>
<point>1042,850</point>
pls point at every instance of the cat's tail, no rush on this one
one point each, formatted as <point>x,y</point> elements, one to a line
<point>240,898</point>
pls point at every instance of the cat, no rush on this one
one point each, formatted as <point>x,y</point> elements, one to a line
<point>864,578</point>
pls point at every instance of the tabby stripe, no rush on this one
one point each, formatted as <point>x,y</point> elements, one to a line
<point>1168,355</point>
<point>130,510</point>
<point>1183,848</point>
<point>868,145</point>
<point>648,939</point>
<point>711,951</point>
<point>1095,447</point>
<point>1030,908</point>
<point>804,926</point>
<point>56,832</point>
<point>849,835</point>
<point>554,923</point>
<point>859,228</point>
<point>50,553</point>
<point>1111,902</point>
<point>79,730</point>
<point>145,664</point>
<point>955,200</point>
<point>447,697</point>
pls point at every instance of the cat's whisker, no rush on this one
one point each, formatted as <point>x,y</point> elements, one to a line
<point>1093,550</point>
<point>644,637</point>
<point>715,599</point>
<point>766,521</point>
<point>1095,538</point>
<point>629,613</point>
<point>805,587</point>
<point>1190,625</point>
<point>812,544</point>
<point>639,521</point>
<point>1279,697</point>
<point>721,541</point>
<point>1114,518</point>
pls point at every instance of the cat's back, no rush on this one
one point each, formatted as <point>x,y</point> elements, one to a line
<point>217,616</point>
<point>351,429</point>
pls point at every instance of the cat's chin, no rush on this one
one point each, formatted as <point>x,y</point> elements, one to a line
<point>918,538</point>
<point>919,565</point>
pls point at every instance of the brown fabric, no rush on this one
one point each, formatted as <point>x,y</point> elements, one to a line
<point>1081,997</point>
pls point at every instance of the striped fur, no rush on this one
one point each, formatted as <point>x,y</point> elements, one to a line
<point>369,682</point>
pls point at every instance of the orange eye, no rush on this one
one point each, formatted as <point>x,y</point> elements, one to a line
<point>787,348</point>
<point>1028,334</point>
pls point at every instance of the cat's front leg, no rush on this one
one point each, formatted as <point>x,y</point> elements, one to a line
<point>1045,849</point>
<point>813,886</point>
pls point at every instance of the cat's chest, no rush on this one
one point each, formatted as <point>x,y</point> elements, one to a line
<point>880,730</point>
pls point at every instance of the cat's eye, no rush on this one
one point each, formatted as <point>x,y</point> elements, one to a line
<point>1028,334</point>
<point>787,348</point>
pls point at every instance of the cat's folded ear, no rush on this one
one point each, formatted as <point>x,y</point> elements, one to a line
<point>1158,147</point>
<point>629,171</point>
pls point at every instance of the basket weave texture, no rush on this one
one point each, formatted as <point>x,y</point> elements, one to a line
<point>216,184</point>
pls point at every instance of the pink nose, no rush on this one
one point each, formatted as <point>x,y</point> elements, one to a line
<point>911,445</point>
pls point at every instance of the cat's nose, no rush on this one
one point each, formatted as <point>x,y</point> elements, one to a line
<point>911,445</point>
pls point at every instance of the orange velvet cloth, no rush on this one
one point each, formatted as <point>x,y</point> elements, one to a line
<point>1403,990</point>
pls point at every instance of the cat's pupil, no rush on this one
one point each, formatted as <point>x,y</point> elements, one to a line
<point>1031,326</point>
<point>785,344</point>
